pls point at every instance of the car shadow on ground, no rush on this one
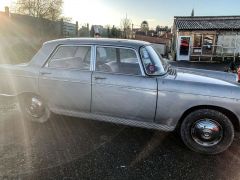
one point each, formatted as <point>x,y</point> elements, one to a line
<point>82,149</point>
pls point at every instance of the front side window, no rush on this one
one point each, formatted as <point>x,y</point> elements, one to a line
<point>71,57</point>
<point>151,61</point>
<point>117,60</point>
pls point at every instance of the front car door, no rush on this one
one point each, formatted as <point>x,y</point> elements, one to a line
<point>65,81</point>
<point>119,88</point>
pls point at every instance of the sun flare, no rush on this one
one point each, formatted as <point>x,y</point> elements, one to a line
<point>95,12</point>
<point>4,3</point>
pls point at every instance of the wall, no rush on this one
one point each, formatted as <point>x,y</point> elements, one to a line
<point>21,36</point>
<point>164,41</point>
<point>231,42</point>
<point>225,43</point>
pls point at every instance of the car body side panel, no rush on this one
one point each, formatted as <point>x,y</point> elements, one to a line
<point>16,79</point>
<point>230,77</point>
<point>130,97</point>
<point>23,78</point>
<point>66,89</point>
<point>174,98</point>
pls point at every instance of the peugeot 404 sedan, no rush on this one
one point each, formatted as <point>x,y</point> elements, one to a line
<point>126,82</point>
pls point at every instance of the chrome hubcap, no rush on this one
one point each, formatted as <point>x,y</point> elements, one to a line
<point>35,107</point>
<point>207,132</point>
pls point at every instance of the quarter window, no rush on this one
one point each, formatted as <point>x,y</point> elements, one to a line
<point>151,61</point>
<point>117,60</point>
<point>71,57</point>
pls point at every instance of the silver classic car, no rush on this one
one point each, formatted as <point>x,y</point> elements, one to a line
<point>126,82</point>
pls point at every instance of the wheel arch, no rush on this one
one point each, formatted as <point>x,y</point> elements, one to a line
<point>24,94</point>
<point>27,94</point>
<point>232,116</point>
<point>40,114</point>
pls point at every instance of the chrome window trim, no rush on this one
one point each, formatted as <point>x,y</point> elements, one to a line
<point>69,45</point>
<point>94,57</point>
<point>119,47</point>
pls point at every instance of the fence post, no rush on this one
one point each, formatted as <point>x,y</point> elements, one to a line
<point>61,27</point>
<point>77,28</point>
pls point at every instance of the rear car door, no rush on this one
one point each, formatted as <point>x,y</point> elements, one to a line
<point>119,88</point>
<point>65,81</point>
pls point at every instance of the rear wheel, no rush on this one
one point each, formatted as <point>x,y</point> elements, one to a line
<point>207,131</point>
<point>34,108</point>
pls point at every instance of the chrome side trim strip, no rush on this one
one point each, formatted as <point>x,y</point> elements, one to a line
<point>115,120</point>
<point>7,95</point>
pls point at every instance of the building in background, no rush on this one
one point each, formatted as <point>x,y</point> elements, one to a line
<point>162,30</point>
<point>98,31</point>
<point>84,31</point>
<point>161,36</point>
<point>206,37</point>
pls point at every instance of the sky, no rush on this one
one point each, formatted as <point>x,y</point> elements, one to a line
<point>156,12</point>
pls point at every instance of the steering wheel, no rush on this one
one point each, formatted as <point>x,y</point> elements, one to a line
<point>105,68</point>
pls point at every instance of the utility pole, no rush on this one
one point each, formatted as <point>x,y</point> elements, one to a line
<point>132,31</point>
<point>192,14</point>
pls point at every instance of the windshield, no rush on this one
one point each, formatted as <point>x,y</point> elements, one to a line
<point>152,61</point>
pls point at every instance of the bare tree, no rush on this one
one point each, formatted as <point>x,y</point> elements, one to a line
<point>126,27</point>
<point>66,19</point>
<point>49,9</point>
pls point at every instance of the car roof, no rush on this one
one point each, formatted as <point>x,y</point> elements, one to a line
<point>98,41</point>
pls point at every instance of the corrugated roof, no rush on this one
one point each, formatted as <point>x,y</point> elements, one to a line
<point>207,22</point>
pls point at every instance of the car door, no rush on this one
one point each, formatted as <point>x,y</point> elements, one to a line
<point>65,81</point>
<point>118,87</point>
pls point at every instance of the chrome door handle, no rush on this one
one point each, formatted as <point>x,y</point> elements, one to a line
<point>42,73</point>
<point>99,78</point>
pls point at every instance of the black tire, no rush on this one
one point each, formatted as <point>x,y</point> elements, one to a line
<point>199,143</point>
<point>41,117</point>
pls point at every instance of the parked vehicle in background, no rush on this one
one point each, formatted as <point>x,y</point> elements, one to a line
<point>126,82</point>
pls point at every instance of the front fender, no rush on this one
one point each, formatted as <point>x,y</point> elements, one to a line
<point>171,106</point>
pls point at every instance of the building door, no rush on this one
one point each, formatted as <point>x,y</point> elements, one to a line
<point>183,48</point>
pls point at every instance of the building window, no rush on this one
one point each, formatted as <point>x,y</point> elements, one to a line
<point>197,44</point>
<point>208,44</point>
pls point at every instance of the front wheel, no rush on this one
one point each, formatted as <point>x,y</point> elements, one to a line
<point>33,108</point>
<point>207,131</point>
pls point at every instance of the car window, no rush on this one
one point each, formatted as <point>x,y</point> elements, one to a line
<point>73,57</point>
<point>117,60</point>
<point>128,56</point>
<point>151,61</point>
<point>106,54</point>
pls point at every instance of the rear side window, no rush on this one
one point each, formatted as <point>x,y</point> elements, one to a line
<point>65,52</point>
<point>117,60</point>
<point>71,57</point>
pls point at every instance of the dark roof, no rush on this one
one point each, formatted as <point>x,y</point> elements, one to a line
<point>99,41</point>
<point>207,22</point>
